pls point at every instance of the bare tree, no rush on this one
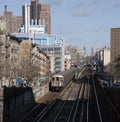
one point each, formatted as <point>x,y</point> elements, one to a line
<point>115,68</point>
<point>28,70</point>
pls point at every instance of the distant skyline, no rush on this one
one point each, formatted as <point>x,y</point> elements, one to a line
<point>80,22</point>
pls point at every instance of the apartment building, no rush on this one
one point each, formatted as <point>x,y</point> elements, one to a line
<point>115,43</point>
<point>34,64</point>
<point>13,23</point>
<point>9,59</point>
<point>2,26</point>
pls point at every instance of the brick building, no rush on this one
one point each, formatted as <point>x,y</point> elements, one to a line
<point>115,43</point>
<point>13,23</point>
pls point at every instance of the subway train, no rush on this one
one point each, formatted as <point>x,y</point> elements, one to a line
<point>61,79</point>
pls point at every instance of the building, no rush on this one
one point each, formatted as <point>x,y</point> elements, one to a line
<point>13,23</point>
<point>115,43</point>
<point>106,56</point>
<point>103,55</point>
<point>2,26</point>
<point>77,55</point>
<point>41,61</point>
<point>34,64</point>
<point>52,45</point>
<point>9,59</point>
<point>38,12</point>
<point>67,61</point>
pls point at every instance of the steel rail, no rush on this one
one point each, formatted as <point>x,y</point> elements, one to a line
<point>98,106</point>
<point>85,98</point>
<point>57,116</point>
<point>30,113</point>
<point>50,105</point>
<point>75,102</point>
<point>82,110</point>
<point>80,95</point>
<point>61,110</point>
<point>88,101</point>
<point>43,113</point>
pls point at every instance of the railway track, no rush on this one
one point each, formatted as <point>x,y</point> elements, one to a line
<point>71,106</point>
<point>42,103</point>
<point>60,109</point>
<point>81,101</point>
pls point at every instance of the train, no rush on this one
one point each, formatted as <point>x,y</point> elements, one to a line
<point>61,79</point>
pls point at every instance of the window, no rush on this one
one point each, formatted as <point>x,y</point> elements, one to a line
<point>53,79</point>
<point>57,78</point>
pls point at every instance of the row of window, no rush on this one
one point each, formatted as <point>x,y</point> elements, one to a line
<point>51,49</point>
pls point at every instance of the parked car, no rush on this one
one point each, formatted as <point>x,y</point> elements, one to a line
<point>117,84</point>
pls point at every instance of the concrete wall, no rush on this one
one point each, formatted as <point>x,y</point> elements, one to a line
<point>14,101</point>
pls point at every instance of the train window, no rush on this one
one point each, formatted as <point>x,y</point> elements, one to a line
<point>57,78</point>
<point>53,79</point>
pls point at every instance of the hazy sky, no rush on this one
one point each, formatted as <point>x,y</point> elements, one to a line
<point>80,22</point>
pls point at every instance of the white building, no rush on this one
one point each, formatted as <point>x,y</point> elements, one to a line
<point>106,56</point>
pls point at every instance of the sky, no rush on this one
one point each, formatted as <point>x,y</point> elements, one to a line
<point>80,22</point>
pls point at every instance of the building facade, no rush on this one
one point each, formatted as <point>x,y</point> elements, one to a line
<point>34,64</point>
<point>2,26</point>
<point>38,12</point>
<point>103,55</point>
<point>115,43</point>
<point>67,61</point>
<point>9,59</point>
<point>13,23</point>
<point>106,56</point>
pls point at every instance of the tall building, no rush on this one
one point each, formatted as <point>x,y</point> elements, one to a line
<point>39,13</point>
<point>13,23</point>
<point>115,43</point>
